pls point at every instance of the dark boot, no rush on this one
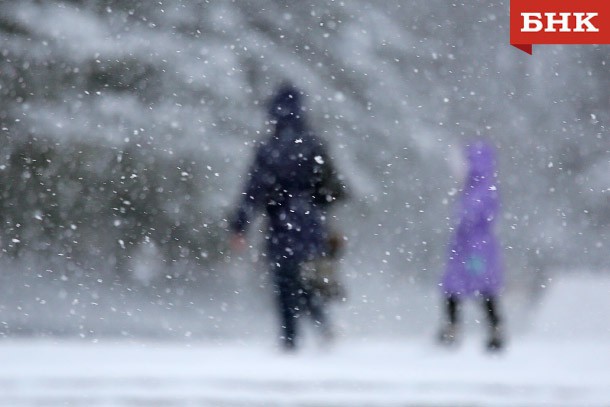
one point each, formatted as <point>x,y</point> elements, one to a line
<point>449,332</point>
<point>495,341</point>
<point>288,345</point>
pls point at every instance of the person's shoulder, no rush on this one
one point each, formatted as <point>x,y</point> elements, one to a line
<point>262,150</point>
<point>263,144</point>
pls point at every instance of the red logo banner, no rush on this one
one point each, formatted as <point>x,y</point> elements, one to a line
<point>559,22</point>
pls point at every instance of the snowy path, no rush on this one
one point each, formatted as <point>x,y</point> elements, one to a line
<point>410,373</point>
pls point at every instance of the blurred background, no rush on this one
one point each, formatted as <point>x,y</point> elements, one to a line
<point>126,128</point>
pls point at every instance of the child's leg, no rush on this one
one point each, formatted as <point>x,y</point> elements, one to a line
<point>452,304</point>
<point>449,330</point>
<point>491,309</point>
<point>495,341</point>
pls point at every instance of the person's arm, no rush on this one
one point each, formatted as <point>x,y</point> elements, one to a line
<point>250,201</point>
<point>481,207</point>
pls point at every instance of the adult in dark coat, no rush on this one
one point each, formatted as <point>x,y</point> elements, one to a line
<point>283,182</point>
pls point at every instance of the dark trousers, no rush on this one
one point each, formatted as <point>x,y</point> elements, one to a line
<point>489,303</point>
<point>294,301</point>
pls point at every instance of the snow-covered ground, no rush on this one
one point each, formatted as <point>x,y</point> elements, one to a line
<point>408,373</point>
<point>564,360</point>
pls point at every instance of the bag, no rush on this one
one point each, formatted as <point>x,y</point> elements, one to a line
<point>319,276</point>
<point>329,187</point>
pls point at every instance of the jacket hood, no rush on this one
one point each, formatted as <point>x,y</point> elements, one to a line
<point>286,103</point>
<point>481,159</point>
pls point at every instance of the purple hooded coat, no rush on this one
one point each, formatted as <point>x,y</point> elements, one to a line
<point>474,265</point>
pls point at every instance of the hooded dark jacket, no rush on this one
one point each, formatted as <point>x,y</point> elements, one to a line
<point>283,181</point>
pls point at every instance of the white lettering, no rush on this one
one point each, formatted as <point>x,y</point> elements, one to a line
<point>530,19</point>
<point>580,22</point>
<point>532,22</point>
<point>551,22</point>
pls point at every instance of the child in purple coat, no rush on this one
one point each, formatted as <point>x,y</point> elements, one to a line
<point>474,268</point>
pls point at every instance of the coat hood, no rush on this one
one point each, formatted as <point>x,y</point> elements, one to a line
<point>286,103</point>
<point>481,160</point>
